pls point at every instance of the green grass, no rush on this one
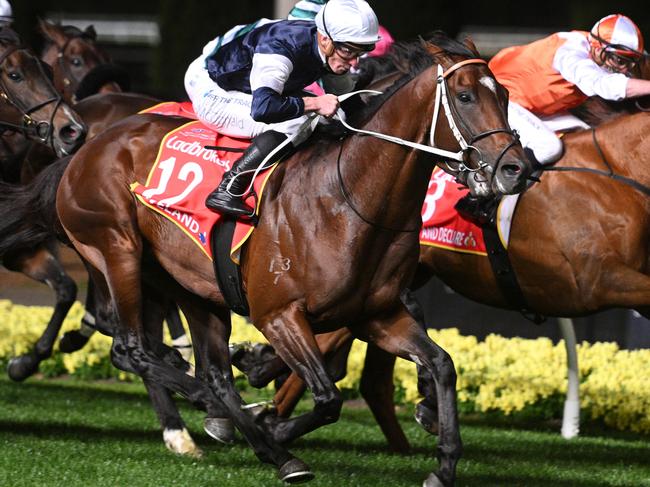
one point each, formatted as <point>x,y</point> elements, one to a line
<point>70,433</point>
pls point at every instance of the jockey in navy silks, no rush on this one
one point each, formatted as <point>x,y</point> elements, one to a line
<point>249,82</point>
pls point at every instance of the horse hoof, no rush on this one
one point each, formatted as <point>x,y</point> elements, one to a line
<point>295,472</point>
<point>432,481</point>
<point>21,367</point>
<point>426,418</point>
<point>181,443</point>
<point>72,341</point>
<point>221,429</point>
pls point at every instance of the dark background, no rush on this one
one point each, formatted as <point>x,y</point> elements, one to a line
<point>186,25</point>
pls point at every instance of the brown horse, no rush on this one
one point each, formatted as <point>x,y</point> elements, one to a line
<point>81,68</point>
<point>40,262</point>
<point>340,219</point>
<point>596,257</point>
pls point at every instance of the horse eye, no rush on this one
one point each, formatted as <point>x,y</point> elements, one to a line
<point>15,76</point>
<point>76,62</point>
<point>464,97</point>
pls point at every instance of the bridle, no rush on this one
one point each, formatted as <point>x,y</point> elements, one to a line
<point>460,169</point>
<point>39,129</point>
<point>454,120</point>
<point>68,76</point>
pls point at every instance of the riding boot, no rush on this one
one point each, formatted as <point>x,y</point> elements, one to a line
<point>222,199</point>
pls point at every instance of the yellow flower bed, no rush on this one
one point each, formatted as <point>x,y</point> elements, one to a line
<point>497,374</point>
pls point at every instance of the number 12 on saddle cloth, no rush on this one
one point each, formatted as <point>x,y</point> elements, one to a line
<point>185,172</point>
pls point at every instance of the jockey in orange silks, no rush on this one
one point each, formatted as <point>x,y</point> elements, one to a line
<point>548,77</point>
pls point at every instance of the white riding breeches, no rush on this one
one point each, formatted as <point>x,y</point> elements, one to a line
<point>228,112</point>
<point>534,134</point>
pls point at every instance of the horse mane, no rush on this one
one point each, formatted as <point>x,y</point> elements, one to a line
<point>408,58</point>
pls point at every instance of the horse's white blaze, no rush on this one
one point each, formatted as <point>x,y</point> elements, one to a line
<point>489,83</point>
<point>181,443</point>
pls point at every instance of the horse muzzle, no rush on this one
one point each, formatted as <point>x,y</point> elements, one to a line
<point>511,176</point>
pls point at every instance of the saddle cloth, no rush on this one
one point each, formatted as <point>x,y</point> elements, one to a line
<point>444,227</point>
<point>185,172</point>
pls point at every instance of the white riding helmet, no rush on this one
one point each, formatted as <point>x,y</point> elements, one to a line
<point>350,21</point>
<point>6,14</point>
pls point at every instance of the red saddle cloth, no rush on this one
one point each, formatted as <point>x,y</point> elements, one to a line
<point>185,172</point>
<point>442,225</point>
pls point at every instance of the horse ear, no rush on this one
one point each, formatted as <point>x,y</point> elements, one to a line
<point>52,32</point>
<point>469,44</point>
<point>91,32</point>
<point>435,51</point>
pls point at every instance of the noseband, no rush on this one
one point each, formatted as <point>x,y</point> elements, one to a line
<point>40,129</point>
<point>459,167</point>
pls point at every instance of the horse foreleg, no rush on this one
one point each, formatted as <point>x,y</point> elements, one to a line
<point>291,336</point>
<point>571,416</point>
<point>213,361</point>
<point>41,265</point>
<point>335,347</point>
<point>401,335</point>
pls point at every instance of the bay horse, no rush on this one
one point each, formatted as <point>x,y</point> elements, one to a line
<point>80,67</point>
<point>571,259</point>
<point>345,253</point>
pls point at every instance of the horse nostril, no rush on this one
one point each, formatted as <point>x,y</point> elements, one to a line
<point>72,133</point>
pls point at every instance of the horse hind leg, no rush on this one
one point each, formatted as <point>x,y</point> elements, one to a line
<point>74,340</point>
<point>175,435</point>
<point>43,266</point>
<point>378,391</point>
<point>426,411</point>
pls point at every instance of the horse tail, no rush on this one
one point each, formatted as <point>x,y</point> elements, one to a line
<point>28,212</point>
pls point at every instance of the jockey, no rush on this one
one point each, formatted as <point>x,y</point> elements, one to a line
<point>549,76</point>
<point>307,10</point>
<point>249,82</point>
<point>6,14</point>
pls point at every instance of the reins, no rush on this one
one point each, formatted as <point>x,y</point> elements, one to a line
<point>609,173</point>
<point>442,98</point>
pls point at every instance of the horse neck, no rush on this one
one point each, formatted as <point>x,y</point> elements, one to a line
<point>387,182</point>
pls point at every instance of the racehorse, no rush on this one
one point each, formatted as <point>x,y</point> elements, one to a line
<point>595,255</point>
<point>341,218</point>
<point>80,67</point>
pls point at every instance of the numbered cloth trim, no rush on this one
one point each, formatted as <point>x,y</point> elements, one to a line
<point>183,175</point>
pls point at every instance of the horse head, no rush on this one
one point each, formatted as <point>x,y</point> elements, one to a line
<point>471,108</point>
<point>81,68</point>
<point>31,100</point>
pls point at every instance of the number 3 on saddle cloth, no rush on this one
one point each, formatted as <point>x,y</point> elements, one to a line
<point>444,227</point>
<point>181,178</point>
